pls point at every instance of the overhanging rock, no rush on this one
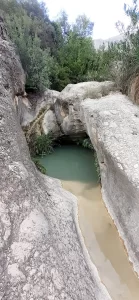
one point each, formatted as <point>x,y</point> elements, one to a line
<point>113,126</point>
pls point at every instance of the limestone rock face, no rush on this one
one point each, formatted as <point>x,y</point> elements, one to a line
<point>63,118</point>
<point>91,89</point>
<point>113,126</point>
<point>65,107</point>
<point>49,97</point>
<point>9,63</point>
<point>49,124</point>
<point>68,102</point>
<point>42,254</point>
<point>24,110</point>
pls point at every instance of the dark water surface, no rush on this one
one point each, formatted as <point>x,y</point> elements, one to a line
<point>71,163</point>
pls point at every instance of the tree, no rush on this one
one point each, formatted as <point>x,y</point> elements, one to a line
<point>64,24</point>
<point>83,26</point>
<point>54,54</point>
<point>25,29</point>
<point>76,52</point>
<point>132,13</point>
<point>35,9</point>
<point>129,48</point>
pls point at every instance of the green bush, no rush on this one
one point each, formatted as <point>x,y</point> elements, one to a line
<point>87,144</point>
<point>128,52</point>
<point>41,145</point>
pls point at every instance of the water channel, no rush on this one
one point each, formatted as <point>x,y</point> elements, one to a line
<point>75,167</point>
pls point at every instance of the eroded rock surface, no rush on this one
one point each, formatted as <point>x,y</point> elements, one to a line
<point>113,126</point>
<point>30,107</point>
<point>63,115</point>
<point>133,90</point>
<point>42,254</point>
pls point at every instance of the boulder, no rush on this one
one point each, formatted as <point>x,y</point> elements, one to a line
<point>63,118</point>
<point>49,124</point>
<point>91,89</point>
<point>113,126</point>
<point>24,110</point>
<point>29,106</point>
<point>42,253</point>
<point>66,106</point>
<point>49,97</point>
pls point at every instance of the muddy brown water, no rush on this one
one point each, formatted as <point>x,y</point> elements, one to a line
<point>76,169</point>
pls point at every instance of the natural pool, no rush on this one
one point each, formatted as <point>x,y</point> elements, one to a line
<point>75,167</point>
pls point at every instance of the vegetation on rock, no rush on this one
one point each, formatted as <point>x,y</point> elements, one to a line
<point>40,144</point>
<point>39,166</point>
<point>86,143</point>
<point>129,48</point>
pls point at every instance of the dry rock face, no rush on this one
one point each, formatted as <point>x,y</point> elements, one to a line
<point>113,126</point>
<point>42,255</point>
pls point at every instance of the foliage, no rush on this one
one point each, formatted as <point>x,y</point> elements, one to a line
<point>56,53</point>
<point>87,144</point>
<point>128,52</point>
<point>41,145</point>
<point>75,56</point>
<point>39,166</point>
<point>53,54</point>
<point>83,27</point>
<point>26,28</point>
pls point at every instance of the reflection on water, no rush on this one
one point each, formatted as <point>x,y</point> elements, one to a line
<point>71,163</point>
<point>75,167</point>
<point>103,243</point>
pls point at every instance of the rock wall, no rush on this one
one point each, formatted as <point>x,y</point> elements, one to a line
<point>67,105</point>
<point>113,126</point>
<point>62,109</point>
<point>42,254</point>
<point>133,90</point>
